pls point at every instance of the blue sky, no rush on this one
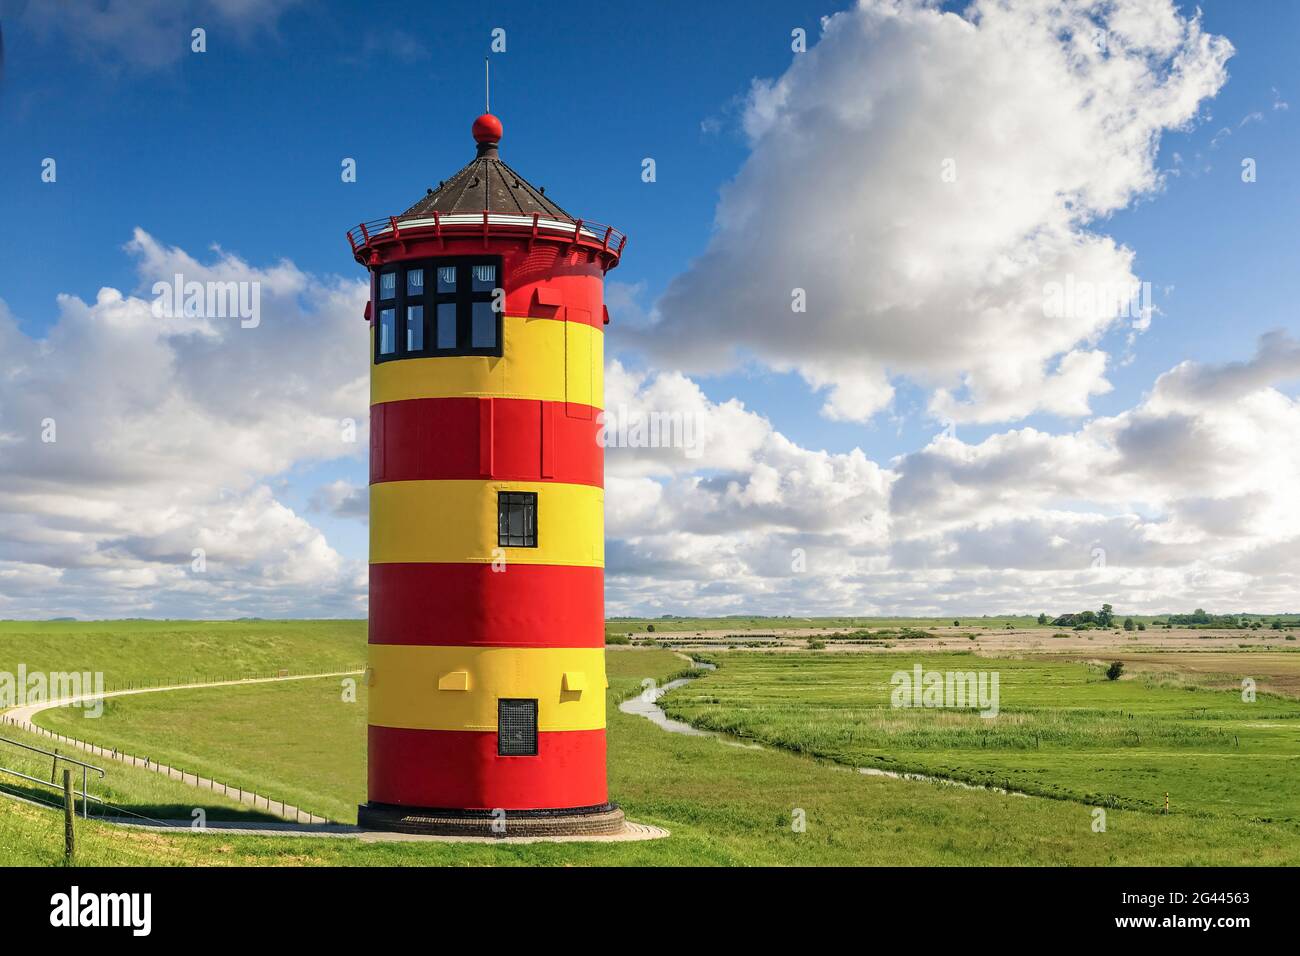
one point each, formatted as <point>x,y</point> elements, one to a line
<point>240,147</point>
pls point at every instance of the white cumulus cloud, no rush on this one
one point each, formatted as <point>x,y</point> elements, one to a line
<point>920,178</point>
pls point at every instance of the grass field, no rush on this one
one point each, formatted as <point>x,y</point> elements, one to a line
<point>1063,729</point>
<point>150,653</point>
<point>133,791</point>
<point>743,623</point>
<point>297,741</point>
<point>725,805</point>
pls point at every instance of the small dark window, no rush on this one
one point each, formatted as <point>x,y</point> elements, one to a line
<point>516,728</point>
<point>517,519</point>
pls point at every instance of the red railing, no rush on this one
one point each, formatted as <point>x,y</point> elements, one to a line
<point>607,237</point>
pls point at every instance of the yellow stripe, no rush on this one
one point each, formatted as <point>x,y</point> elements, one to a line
<point>448,522</point>
<point>544,359</point>
<point>404,686</point>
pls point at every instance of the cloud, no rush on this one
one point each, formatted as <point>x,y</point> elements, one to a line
<point>342,499</point>
<point>922,177</point>
<point>141,34</point>
<point>172,436</point>
<point>132,445</point>
<point>1183,500</point>
<point>1277,360</point>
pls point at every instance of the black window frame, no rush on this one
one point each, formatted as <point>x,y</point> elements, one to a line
<point>507,499</point>
<point>501,703</point>
<point>464,299</point>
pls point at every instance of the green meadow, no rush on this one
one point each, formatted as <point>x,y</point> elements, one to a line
<point>152,653</point>
<point>726,805</point>
<point>741,623</point>
<point>1062,729</point>
<point>301,741</point>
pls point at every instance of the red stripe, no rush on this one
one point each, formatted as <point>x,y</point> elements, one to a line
<point>526,605</point>
<point>460,769</point>
<point>424,439</point>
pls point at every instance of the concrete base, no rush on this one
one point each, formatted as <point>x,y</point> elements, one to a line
<point>599,821</point>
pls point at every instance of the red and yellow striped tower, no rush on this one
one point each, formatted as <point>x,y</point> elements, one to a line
<point>487,668</point>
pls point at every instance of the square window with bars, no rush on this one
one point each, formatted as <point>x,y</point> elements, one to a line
<point>516,728</point>
<point>517,519</point>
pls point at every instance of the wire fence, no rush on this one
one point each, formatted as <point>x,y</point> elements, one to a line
<point>277,808</point>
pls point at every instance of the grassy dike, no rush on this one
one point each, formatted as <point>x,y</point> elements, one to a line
<point>152,653</point>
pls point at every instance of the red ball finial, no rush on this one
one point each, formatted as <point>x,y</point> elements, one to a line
<point>487,129</point>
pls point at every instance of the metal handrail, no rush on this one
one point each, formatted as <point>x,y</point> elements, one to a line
<point>608,237</point>
<point>85,771</point>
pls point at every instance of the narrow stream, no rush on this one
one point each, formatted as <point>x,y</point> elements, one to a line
<point>646,704</point>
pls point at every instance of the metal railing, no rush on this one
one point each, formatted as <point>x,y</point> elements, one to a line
<point>607,237</point>
<point>85,773</point>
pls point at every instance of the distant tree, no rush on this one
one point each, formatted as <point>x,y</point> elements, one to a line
<point>1042,619</point>
<point>650,628</point>
<point>1128,623</point>
<point>1106,617</point>
<point>1142,627</point>
<point>1087,617</point>
<point>956,623</point>
<point>1116,668</point>
<point>1277,625</point>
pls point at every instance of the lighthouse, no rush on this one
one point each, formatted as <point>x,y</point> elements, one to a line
<point>486,672</point>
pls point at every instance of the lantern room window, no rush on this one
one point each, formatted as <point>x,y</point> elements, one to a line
<point>446,326</point>
<point>387,331</point>
<point>439,307</point>
<point>415,328</point>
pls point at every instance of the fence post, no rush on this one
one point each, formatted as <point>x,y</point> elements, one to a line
<point>69,839</point>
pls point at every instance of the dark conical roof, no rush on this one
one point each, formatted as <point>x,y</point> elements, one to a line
<point>486,183</point>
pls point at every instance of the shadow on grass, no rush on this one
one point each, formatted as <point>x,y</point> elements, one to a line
<point>169,812</point>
